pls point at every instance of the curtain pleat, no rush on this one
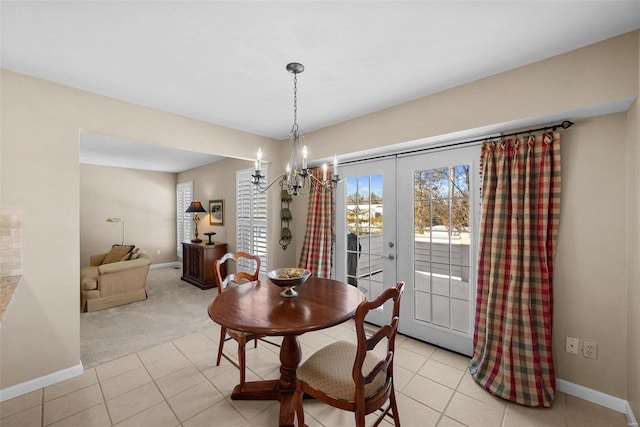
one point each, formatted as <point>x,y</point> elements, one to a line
<point>318,238</point>
<point>521,183</point>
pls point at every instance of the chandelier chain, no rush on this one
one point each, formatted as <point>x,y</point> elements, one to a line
<point>294,128</point>
<point>298,179</point>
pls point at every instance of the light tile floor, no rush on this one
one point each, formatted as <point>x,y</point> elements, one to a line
<point>178,384</point>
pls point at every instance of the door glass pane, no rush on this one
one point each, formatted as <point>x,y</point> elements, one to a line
<point>441,246</point>
<point>364,212</point>
<point>422,307</point>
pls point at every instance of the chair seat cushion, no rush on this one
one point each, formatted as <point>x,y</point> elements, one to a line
<point>329,370</point>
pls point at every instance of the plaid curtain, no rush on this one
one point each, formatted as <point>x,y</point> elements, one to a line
<point>512,355</point>
<point>318,238</point>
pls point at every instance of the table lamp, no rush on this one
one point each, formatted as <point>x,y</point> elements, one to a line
<point>196,207</point>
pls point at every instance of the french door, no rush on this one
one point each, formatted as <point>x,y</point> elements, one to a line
<point>366,229</point>
<point>414,219</point>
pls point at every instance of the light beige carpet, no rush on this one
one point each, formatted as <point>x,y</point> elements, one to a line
<point>173,309</point>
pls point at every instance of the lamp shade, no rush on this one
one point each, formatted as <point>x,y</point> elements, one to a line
<point>195,206</point>
<point>116,219</point>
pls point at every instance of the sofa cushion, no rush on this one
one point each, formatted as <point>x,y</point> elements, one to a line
<point>116,253</point>
<point>134,254</point>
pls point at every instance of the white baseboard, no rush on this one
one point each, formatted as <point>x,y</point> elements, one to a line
<point>599,398</point>
<point>40,382</point>
<point>175,264</point>
<point>631,419</point>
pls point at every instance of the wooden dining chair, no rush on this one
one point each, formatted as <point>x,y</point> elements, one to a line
<point>352,376</point>
<point>223,283</point>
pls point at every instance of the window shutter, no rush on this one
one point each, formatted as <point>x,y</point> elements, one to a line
<point>251,225</point>
<point>184,196</point>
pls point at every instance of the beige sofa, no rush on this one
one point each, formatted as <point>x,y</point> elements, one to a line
<point>117,283</point>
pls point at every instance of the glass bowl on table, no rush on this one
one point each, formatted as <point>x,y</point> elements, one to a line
<point>288,278</point>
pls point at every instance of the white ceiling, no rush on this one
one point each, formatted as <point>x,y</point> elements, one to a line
<point>224,62</point>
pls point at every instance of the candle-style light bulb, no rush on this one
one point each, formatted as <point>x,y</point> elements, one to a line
<point>324,172</point>
<point>335,165</point>
<point>259,160</point>
<point>304,157</point>
<point>288,168</point>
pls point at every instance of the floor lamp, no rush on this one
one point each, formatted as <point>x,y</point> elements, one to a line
<point>117,220</point>
<point>196,207</point>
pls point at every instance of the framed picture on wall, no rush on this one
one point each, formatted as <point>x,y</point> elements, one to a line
<point>216,212</point>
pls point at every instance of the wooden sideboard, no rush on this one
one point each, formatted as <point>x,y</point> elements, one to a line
<point>197,263</point>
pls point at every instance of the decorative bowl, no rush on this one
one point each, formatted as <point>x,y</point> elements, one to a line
<point>288,278</point>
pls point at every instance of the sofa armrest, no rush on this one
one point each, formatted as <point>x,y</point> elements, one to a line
<point>96,260</point>
<point>124,265</point>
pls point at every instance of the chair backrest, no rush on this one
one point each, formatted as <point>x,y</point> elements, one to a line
<point>366,344</point>
<point>223,282</point>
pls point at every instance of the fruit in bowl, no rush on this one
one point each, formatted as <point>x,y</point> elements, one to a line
<point>288,278</point>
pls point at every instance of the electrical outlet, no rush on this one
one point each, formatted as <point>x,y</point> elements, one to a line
<point>590,350</point>
<point>572,345</point>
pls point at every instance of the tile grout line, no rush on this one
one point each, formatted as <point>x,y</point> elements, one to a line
<point>206,380</point>
<point>67,394</point>
<point>104,399</point>
<point>166,400</point>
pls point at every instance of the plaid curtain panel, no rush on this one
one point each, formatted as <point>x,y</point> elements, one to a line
<point>318,237</point>
<point>512,355</point>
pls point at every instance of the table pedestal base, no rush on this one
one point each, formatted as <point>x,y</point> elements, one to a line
<point>256,390</point>
<point>283,389</point>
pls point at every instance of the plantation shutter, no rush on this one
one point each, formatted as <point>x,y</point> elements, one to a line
<point>184,196</point>
<point>251,224</point>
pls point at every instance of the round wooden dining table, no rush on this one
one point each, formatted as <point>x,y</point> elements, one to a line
<point>257,307</point>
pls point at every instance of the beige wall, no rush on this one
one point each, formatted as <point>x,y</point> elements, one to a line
<point>590,271</point>
<point>40,124</point>
<point>633,266</point>
<point>145,199</point>
<point>217,181</point>
<point>40,174</point>
<point>596,74</point>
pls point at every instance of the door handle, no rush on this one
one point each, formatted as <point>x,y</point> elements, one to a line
<point>390,257</point>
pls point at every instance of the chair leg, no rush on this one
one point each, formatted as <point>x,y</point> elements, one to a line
<point>394,407</point>
<point>223,334</point>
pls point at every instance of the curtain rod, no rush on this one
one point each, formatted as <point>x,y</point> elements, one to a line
<point>565,124</point>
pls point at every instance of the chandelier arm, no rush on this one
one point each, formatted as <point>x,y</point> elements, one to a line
<point>262,186</point>
<point>323,186</point>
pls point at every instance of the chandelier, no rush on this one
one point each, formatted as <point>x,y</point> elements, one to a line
<point>297,179</point>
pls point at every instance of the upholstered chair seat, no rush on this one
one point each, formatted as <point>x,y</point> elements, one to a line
<point>330,368</point>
